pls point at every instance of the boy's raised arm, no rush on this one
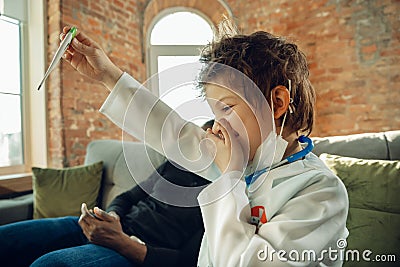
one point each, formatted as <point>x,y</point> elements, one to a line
<point>140,113</point>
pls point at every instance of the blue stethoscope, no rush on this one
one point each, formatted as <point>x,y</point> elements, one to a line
<point>251,178</point>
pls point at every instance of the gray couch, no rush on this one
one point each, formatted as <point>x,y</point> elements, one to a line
<point>117,178</point>
<point>116,175</point>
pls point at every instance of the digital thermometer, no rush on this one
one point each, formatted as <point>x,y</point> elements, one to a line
<point>60,52</point>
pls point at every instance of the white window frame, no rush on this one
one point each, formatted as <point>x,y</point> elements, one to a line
<point>154,51</point>
<point>32,16</point>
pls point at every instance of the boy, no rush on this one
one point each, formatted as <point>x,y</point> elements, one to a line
<point>257,86</point>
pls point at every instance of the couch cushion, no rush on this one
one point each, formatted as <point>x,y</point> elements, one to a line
<point>16,209</point>
<point>60,192</point>
<point>371,184</point>
<point>373,187</point>
<point>364,146</point>
<point>119,176</point>
<point>373,230</point>
<point>107,151</point>
<point>393,140</point>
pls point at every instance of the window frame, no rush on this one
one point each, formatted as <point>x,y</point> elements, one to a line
<point>33,102</point>
<point>20,168</point>
<point>154,51</point>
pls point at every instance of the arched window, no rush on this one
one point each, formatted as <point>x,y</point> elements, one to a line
<point>177,38</point>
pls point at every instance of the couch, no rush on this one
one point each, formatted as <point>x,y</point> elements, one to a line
<point>117,178</point>
<point>116,175</point>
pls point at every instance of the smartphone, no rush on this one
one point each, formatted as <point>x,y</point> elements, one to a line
<point>90,212</point>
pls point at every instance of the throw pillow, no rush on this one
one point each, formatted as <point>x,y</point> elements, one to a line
<point>373,187</point>
<point>373,184</point>
<point>60,192</point>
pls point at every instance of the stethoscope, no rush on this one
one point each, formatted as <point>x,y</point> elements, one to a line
<point>251,178</point>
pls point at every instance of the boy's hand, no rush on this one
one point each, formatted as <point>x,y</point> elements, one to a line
<point>230,155</point>
<point>87,57</point>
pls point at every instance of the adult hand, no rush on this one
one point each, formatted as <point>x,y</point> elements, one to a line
<point>105,229</point>
<point>113,213</point>
<point>89,59</point>
<point>230,155</point>
<point>102,228</point>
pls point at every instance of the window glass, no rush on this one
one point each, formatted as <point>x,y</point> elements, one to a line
<point>11,144</point>
<point>185,28</point>
<point>180,36</point>
<point>10,59</point>
<point>166,62</point>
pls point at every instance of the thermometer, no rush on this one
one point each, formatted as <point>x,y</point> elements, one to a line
<point>60,52</point>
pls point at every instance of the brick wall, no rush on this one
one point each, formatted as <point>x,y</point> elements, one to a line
<point>353,49</point>
<point>56,147</point>
<point>74,100</point>
<point>352,46</point>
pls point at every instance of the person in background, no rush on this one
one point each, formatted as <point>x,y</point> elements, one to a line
<point>158,234</point>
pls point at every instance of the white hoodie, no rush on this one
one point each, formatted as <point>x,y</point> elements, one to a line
<point>301,208</point>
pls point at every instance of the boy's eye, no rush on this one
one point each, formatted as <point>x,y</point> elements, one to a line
<point>226,108</point>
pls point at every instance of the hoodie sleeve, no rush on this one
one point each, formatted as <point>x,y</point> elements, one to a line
<point>137,111</point>
<point>184,256</point>
<point>311,221</point>
<point>124,201</point>
<point>157,256</point>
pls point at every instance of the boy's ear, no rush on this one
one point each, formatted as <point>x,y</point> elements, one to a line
<point>281,99</point>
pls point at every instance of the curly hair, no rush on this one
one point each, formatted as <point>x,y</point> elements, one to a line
<point>268,61</point>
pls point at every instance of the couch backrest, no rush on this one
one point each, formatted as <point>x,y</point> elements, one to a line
<point>117,177</point>
<point>143,161</point>
<point>373,220</point>
<point>383,145</point>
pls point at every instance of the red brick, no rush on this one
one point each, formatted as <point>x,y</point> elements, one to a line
<point>352,93</point>
<point>118,3</point>
<point>369,48</point>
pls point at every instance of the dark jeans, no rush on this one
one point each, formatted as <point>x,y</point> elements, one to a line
<point>53,242</point>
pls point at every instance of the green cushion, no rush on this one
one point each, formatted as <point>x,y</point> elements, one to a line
<point>60,192</point>
<point>371,184</point>
<point>373,187</point>
<point>373,230</point>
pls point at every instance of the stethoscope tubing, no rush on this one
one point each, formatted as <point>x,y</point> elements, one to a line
<point>251,178</point>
